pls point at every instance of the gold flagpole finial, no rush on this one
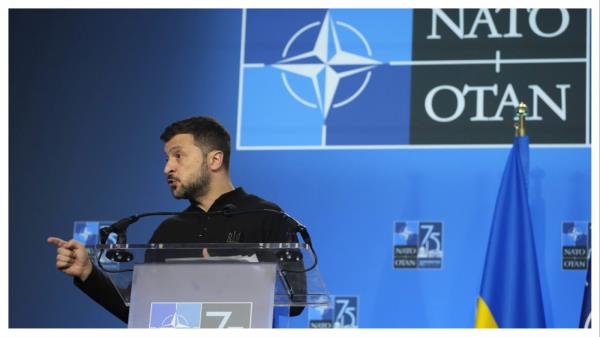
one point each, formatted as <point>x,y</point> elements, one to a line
<point>520,115</point>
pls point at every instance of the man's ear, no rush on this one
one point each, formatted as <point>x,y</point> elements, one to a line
<point>215,160</point>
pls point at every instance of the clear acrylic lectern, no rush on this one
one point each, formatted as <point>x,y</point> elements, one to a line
<point>232,285</point>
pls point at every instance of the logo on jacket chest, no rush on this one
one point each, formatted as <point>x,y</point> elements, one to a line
<point>233,236</point>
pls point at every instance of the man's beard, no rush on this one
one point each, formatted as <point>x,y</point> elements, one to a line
<point>197,188</point>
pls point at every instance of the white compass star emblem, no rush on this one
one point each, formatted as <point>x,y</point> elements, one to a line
<point>175,321</point>
<point>313,63</point>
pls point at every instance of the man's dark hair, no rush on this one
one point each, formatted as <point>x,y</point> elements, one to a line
<point>208,135</point>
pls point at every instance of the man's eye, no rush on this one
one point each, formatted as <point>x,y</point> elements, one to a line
<point>177,155</point>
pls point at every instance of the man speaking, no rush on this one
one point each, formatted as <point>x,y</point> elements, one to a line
<point>197,169</point>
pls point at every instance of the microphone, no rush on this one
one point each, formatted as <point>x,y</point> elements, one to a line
<point>120,228</point>
<point>231,210</point>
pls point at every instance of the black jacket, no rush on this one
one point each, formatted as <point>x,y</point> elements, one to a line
<point>197,226</point>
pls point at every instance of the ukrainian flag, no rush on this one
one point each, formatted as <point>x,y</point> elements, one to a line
<point>510,295</point>
<point>586,307</point>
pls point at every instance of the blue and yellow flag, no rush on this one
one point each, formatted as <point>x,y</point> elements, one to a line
<point>585,321</point>
<point>510,295</point>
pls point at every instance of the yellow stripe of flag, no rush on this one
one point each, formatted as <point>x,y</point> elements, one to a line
<point>484,318</point>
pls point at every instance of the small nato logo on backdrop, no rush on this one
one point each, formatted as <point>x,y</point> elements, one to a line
<point>575,244</point>
<point>175,315</point>
<point>345,312</point>
<point>87,232</point>
<point>320,317</point>
<point>418,244</point>
<point>341,313</point>
<point>316,78</point>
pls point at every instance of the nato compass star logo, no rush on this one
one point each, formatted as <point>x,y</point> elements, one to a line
<point>576,250</point>
<point>174,315</point>
<point>313,79</point>
<point>175,321</point>
<point>418,244</point>
<point>326,65</point>
<point>86,232</point>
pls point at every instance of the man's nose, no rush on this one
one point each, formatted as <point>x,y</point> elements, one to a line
<point>169,168</point>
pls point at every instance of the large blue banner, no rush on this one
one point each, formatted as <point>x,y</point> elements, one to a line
<point>385,132</point>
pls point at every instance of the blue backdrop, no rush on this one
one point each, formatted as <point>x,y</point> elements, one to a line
<point>90,93</point>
